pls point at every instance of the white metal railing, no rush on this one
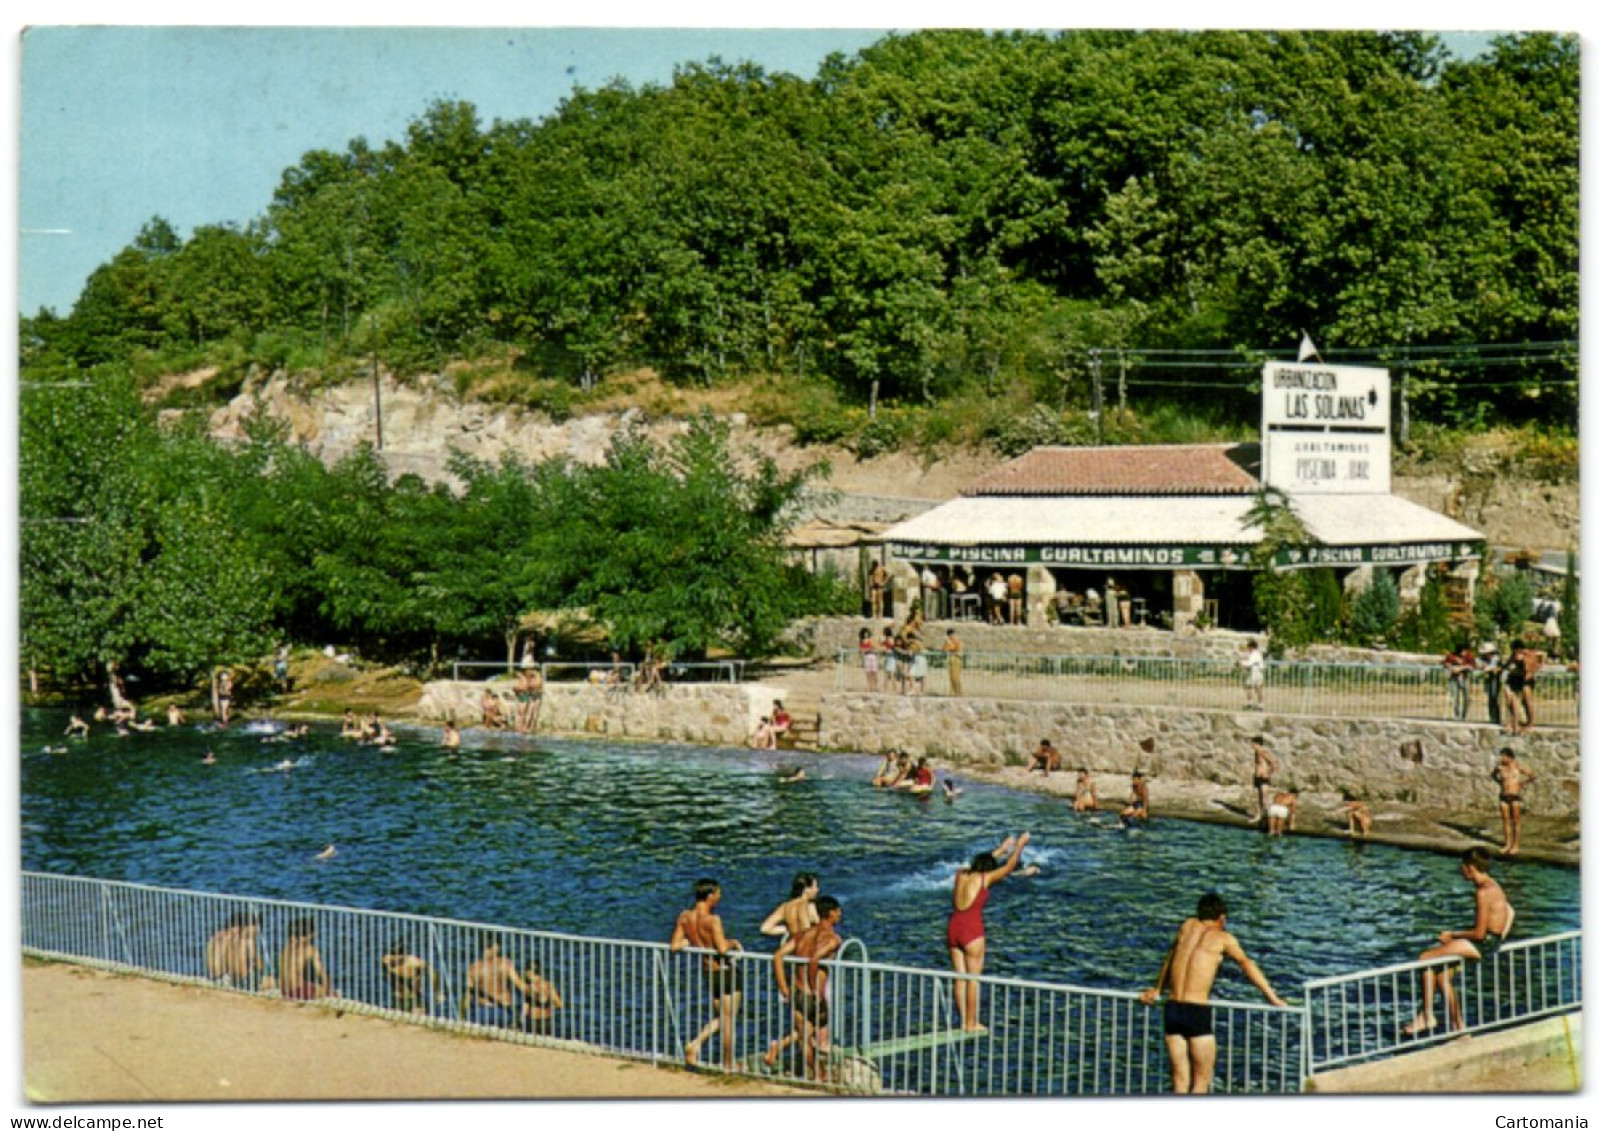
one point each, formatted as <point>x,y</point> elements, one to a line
<point>1356,1018</point>
<point>1292,687</point>
<point>891,1029</point>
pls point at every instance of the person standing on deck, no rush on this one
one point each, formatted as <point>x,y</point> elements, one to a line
<point>701,927</point>
<point>1188,974</point>
<point>1265,767</point>
<point>1512,777</point>
<point>967,943</point>
<point>1488,930</point>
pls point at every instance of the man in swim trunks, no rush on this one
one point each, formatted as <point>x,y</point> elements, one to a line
<point>1492,923</point>
<point>224,696</point>
<point>493,986</point>
<point>412,982</point>
<point>1138,804</point>
<point>233,954</point>
<point>1046,758</point>
<point>809,999</point>
<point>1359,814</point>
<point>1265,767</point>
<point>1086,799</point>
<point>301,974</point>
<point>1512,777</point>
<point>968,946</point>
<point>701,927</point>
<point>1282,811</point>
<point>877,581</point>
<point>1188,973</point>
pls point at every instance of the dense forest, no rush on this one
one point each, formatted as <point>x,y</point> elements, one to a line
<point>942,210</point>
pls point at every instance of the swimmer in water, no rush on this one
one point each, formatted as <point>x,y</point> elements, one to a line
<point>452,737</point>
<point>327,853</point>
<point>951,790</point>
<point>77,728</point>
<point>789,776</point>
<point>210,759</point>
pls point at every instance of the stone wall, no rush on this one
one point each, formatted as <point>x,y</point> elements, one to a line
<point>707,714</point>
<point>1319,755</point>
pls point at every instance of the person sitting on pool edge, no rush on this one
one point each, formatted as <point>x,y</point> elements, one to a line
<point>1488,930</point>
<point>1046,758</point>
<point>1086,800</point>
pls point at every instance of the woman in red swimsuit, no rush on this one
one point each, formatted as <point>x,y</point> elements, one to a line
<point>965,936</point>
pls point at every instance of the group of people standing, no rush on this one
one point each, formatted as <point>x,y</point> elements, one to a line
<point>527,699</point>
<point>898,661</point>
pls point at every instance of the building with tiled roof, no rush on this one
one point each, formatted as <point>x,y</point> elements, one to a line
<point>1157,535</point>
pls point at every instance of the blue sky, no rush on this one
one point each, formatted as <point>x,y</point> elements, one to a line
<point>196,124</point>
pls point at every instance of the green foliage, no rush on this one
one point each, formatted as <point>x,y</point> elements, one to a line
<point>1503,604</point>
<point>947,210</point>
<point>1375,610</point>
<point>1570,619</point>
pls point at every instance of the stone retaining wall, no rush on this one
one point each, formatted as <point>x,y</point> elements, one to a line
<point>1319,755</point>
<point>709,714</point>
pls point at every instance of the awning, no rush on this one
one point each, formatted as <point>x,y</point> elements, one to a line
<point>1173,532</point>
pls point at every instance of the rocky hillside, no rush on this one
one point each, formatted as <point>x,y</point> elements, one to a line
<point>423,419</point>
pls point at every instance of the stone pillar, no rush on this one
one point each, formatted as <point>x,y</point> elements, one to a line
<point>1411,582</point>
<point>1187,599</point>
<point>1040,595</point>
<point>1358,581</point>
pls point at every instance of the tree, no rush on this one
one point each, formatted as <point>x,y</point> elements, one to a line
<point>127,553</point>
<point>1375,610</point>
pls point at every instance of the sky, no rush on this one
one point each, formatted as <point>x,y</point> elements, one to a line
<point>197,124</point>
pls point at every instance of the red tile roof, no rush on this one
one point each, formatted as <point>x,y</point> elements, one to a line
<point>1176,469</point>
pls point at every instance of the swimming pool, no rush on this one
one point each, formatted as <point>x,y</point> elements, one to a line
<point>604,839</point>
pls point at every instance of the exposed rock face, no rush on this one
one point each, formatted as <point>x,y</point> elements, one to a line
<point>424,418</point>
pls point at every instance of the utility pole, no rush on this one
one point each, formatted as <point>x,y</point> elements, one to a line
<point>377,396</point>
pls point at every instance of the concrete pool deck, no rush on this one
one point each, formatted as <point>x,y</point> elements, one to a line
<point>94,1037</point>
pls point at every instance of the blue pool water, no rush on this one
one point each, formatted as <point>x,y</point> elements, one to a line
<point>603,839</point>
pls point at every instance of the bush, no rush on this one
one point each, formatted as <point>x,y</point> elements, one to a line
<point>882,435</point>
<point>1503,604</point>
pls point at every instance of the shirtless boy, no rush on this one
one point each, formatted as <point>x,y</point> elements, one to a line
<point>1512,777</point>
<point>301,974</point>
<point>701,927</point>
<point>1265,767</point>
<point>1138,802</point>
<point>1489,928</point>
<point>1281,813</point>
<point>809,998</point>
<point>1086,799</point>
<point>1189,971</point>
<point>797,914</point>
<point>1359,814</point>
